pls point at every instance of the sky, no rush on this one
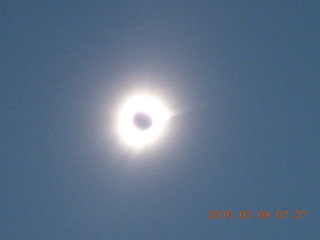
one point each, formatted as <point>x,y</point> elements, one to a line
<point>242,78</point>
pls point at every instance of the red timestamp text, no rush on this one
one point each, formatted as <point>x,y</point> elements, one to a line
<point>257,214</point>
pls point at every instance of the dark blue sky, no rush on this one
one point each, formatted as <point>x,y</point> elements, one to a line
<point>243,76</point>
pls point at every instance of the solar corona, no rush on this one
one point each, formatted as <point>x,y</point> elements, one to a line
<point>142,119</point>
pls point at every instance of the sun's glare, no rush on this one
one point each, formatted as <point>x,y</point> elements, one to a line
<point>141,120</point>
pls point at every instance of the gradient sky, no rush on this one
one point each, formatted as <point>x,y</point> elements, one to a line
<point>243,78</point>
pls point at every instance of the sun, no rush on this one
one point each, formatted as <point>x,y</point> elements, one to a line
<point>142,119</point>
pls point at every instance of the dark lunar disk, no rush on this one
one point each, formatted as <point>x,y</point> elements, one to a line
<point>142,121</point>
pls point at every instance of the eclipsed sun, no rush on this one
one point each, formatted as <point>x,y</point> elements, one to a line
<point>142,119</point>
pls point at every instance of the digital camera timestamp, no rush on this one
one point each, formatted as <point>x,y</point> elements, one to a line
<point>257,215</point>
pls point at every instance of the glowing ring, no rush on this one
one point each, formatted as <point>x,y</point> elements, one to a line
<point>129,129</point>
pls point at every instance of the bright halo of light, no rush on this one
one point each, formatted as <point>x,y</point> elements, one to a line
<point>130,133</point>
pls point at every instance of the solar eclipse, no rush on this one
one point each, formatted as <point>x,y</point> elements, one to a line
<point>142,119</point>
